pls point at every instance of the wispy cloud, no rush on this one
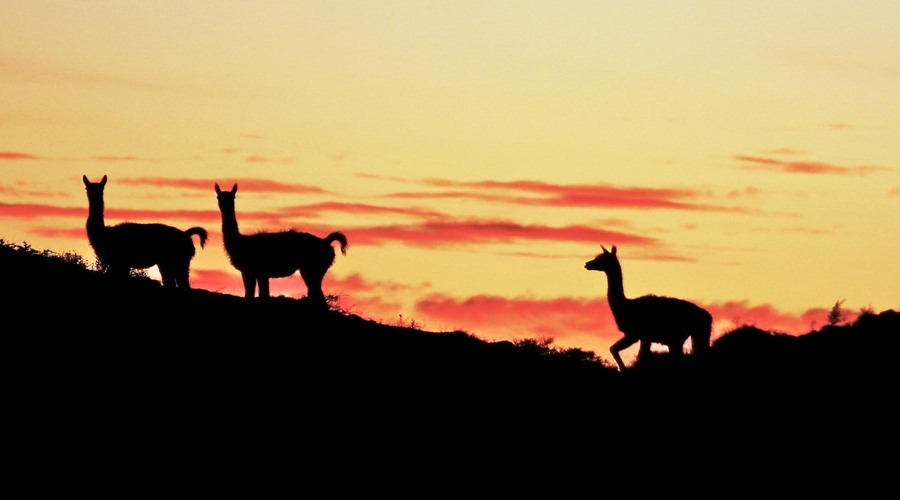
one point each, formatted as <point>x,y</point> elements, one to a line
<point>566,320</point>
<point>314,210</point>
<point>747,192</point>
<point>894,192</point>
<point>733,314</point>
<point>586,322</point>
<point>34,211</point>
<point>58,73</point>
<point>440,234</point>
<point>115,158</point>
<point>27,189</point>
<point>803,167</point>
<point>354,293</point>
<point>11,155</point>
<point>537,193</point>
<point>249,184</point>
<point>266,159</point>
<point>786,151</point>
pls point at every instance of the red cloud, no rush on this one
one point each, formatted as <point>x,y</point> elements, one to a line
<point>77,233</point>
<point>585,323</point>
<point>767,317</point>
<point>800,167</point>
<point>786,151</point>
<point>265,159</point>
<point>566,320</point>
<point>314,209</point>
<point>430,234</point>
<point>29,211</point>
<point>9,155</point>
<point>354,294</point>
<point>577,195</point>
<point>229,282</point>
<point>448,233</point>
<point>115,158</point>
<point>246,184</point>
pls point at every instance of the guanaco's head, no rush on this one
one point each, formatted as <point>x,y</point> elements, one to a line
<point>605,261</point>
<point>88,183</point>
<point>226,198</point>
<point>93,188</point>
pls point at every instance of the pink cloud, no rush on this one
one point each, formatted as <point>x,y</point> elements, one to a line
<point>587,323</point>
<point>9,155</point>
<point>229,282</point>
<point>502,318</point>
<point>734,314</point>
<point>266,159</point>
<point>800,167</point>
<point>436,233</point>
<point>112,215</point>
<point>554,195</point>
<point>477,231</point>
<point>32,211</point>
<point>72,233</point>
<point>115,158</point>
<point>32,71</point>
<point>315,209</point>
<point>356,283</point>
<point>355,295</point>
<point>747,192</point>
<point>786,151</point>
<point>24,189</point>
<point>247,184</point>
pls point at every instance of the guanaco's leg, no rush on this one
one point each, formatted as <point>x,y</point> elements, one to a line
<point>249,285</point>
<point>263,287</point>
<point>623,343</point>
<point>313,280</point>
<point>644,350</point>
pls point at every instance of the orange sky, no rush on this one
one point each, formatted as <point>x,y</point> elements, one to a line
<point>743,155</point>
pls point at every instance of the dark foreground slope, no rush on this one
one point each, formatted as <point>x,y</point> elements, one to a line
<point>88,354</point>
<point>79,330</point>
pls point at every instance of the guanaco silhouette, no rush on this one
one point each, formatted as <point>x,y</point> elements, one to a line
<point>650,318</point>
<point>264,255</point>
<point>132,245</point>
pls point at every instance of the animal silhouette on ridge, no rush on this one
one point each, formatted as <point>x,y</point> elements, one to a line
<point>265,255</point>
<point>650,318</point>
<point>132,245</point>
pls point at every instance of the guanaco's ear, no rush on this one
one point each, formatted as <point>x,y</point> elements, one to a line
<point>614,250</point>
<point>103,181</point>
<point>218,191</point>
<point>85,180</point>
<point>234,189</point>
<point>604,249</point>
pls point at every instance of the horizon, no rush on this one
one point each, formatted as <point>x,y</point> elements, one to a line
<point>740,156</point>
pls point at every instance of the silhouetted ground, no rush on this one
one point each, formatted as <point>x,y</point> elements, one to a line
<point>90,356</point>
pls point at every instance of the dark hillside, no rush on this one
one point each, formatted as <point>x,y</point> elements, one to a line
<point>84,349</point>
<point>76,323</point>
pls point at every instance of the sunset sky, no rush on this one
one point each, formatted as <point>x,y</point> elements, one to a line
<point>743,155</point>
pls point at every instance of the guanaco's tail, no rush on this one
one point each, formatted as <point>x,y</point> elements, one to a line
<point>339,237</point>
<point>199,231</point>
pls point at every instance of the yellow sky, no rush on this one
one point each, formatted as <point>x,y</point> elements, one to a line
<point>770,131</point>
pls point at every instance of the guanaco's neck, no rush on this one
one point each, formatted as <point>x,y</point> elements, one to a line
<point>615,292</point>
<point>230,230</point>
<point>95,222</point>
